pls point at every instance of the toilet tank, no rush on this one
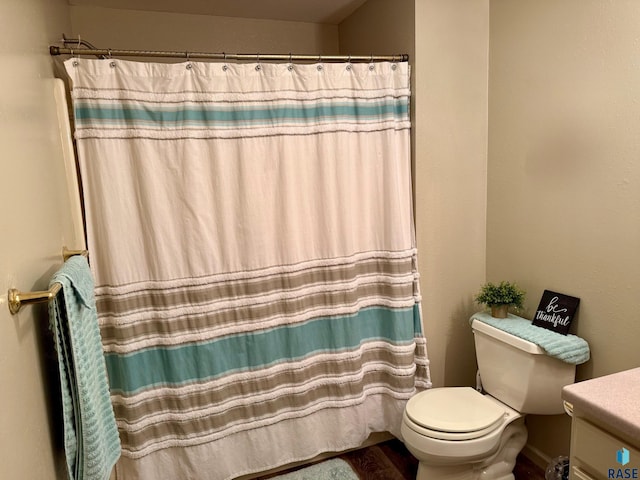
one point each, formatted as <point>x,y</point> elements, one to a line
<point>519,373</point>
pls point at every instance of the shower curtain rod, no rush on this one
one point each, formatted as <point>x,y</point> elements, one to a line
<point>90,50</point>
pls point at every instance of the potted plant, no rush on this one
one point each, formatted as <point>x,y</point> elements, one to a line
<point>500,297</point>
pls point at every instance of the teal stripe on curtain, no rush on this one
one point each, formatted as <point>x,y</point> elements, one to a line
<point>123,114</point>
<point>203,361</point>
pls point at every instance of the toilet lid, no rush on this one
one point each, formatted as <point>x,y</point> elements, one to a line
<point>454,410</point>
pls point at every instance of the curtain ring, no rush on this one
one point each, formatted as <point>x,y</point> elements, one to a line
<point>290,58</point>
<point>258,66</point>
<point>112,64</point>
<point>224,65</point>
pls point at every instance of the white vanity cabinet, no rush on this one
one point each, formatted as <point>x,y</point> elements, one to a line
<point>605,427</point>
<point>594,453</point>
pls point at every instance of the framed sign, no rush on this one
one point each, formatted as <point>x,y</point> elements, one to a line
<point>555,311</point>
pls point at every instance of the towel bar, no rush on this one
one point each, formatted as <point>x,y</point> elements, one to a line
<point>17,298</point>
<point>66,253</point>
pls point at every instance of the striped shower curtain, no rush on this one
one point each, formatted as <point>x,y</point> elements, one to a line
<point>251,236</point>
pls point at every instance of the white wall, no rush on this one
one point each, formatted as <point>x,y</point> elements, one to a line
<point>130,29</point>
<point>451,75</point>
<point>379,27</point>
<point>564,171</point>
<point>35,226</point>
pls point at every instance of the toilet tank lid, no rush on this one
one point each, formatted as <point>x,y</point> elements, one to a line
<point>454,410</point>
<point>517,342</point>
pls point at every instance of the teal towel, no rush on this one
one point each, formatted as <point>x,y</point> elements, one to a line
<point>91,441</point>
<point>568,348</point>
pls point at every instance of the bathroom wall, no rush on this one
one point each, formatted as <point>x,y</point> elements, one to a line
<point>564,175</point>
<point>451,71</point>
<point>130,29</point>
<point>35,226</point>
<point>379,27</point>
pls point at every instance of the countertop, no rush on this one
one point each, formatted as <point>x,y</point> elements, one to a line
<point>613,400</point>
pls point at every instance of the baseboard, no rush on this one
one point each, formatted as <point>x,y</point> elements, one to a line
<point>536,456</point>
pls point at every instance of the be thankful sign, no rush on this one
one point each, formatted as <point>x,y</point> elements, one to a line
<point>555,311</point>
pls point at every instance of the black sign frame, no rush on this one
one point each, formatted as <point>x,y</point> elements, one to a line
<point>556,311</point>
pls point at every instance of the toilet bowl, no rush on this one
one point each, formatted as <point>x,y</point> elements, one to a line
<point>458,433</point>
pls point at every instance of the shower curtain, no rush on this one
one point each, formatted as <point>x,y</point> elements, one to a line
<point>251,235</point>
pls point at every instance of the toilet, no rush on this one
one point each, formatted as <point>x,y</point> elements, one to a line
<point>458,433</point>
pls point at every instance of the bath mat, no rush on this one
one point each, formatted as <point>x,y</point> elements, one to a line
<point>334,469</point>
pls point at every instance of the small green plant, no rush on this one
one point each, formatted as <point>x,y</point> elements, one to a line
<point>505,293</point>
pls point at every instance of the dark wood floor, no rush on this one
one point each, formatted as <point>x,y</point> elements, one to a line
<point>390,460</point>
<point>527,470</point>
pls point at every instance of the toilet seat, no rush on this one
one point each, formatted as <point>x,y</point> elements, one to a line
<point>454,413</point>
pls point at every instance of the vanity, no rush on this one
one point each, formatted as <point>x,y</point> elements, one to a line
<point>605,428</point>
